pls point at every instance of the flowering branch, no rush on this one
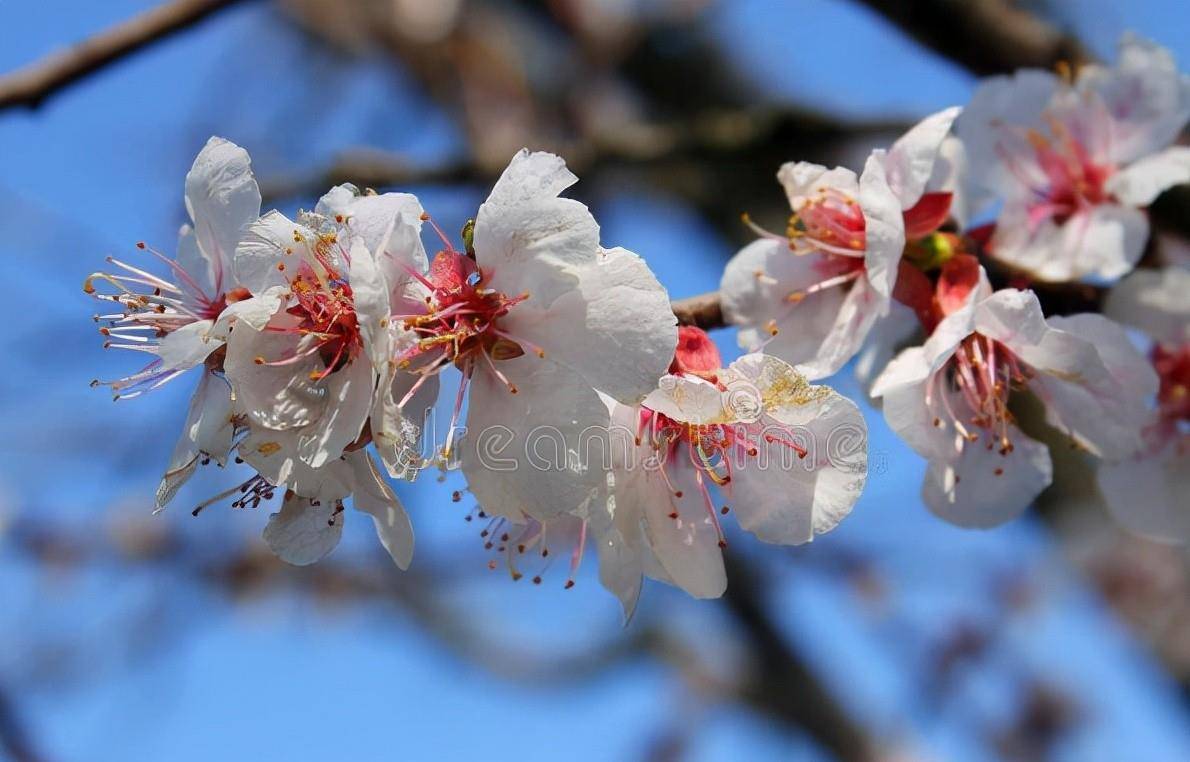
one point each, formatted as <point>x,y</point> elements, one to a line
<point>32,85</point>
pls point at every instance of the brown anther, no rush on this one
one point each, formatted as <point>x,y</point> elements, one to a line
<point>537,580</point>
<point>140,244</point>
<point>724,510</point>
<point>723,543</point>
<point>678,493</point>
<point>569,584</point>
<point>999,472</point>
<point>456,496</point>
<point>673,515</point>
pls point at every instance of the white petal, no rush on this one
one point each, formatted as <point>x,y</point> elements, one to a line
<point>913,404</point>
<point>1140,183</point>
<point>1145,94</point>
<point>1094,384</point>
<point>884,226</point>
<point>208,429</point>
<point>754,291</point>
<point>370,295</point>
<point>1103,243</point>
<point>982,488</point>
<point>195,263</point>
<point>910,161</point>
<point>1147,494</point>
<point>187,346</point>
<point>527,239</point>
<point>263,247</point>
<point>619,542</point>
<point>889,335</point>
<point>686,547</point>
<point>374,218</point>
<point>303,533</point>
<point>1109,244</point>
<point>537,452</point>
<point>373,496</point>
<point>222,199</point>
<point>779,496</point>
<point>1001,107</point>
<point>1155,301</point>
<point>275,397</point>
<point>803,179</point>
<point>254,311</point>
<point>616,329</point>
<point>349,393</point>
<point>531,176</point>
<point>274,454</point>
<point>858,312</point>
<point>325,415</point>
<point>397,431</point>
<point>689,399</point>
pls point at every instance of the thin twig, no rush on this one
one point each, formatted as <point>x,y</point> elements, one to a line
<point>33,84</point>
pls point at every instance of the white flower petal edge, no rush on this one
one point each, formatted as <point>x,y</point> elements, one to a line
<point>1147,494</point>
<point>910,161</point>
<point>1155,301</point>
<point>222,199</point>
<point>304,531</point>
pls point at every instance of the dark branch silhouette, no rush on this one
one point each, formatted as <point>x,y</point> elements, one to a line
<point>32,85</point>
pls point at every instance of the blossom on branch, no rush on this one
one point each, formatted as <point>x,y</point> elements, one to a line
<point>1075,160</point>
<point>174,317</point>
<point>812,296</point>
<point>1147,493</point>
<point>949,398</point>
<point>790,458</point>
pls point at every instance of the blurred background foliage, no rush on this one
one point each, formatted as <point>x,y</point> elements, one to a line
<point>125,636</point>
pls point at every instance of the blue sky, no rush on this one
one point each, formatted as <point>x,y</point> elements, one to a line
<point>101,167</point>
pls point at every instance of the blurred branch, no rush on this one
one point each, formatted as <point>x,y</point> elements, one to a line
<point>782,684</point>
<point>33,84</point>
<point>984,36</point>
<point>708,148</point>
<point>703,311</point>
<point>14,737</point>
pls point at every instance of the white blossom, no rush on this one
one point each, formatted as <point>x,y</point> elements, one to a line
<point>811,297</point>
<point>949,399</point>
<point>1075,162</point>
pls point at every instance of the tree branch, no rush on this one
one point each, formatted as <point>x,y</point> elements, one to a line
<point>983,36</point>
<point>33,84</point>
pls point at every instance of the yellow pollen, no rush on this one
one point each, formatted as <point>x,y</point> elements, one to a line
<point>268,448</point>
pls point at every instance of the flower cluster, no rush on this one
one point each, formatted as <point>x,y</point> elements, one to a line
<point>321,339</point>
<point>1066,163</point>
<point>582,414</point>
